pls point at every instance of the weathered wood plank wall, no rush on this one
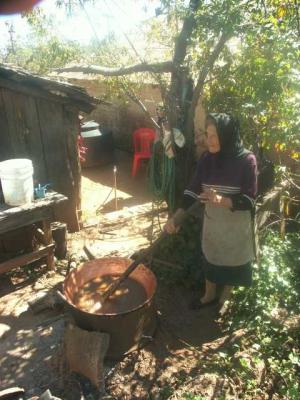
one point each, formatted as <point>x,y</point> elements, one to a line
<point>46,132</point>
<point>5,142</point>
<point>23,129</point>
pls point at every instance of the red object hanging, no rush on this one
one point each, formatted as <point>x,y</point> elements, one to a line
<point>82,149</point>
<point>143,139</point>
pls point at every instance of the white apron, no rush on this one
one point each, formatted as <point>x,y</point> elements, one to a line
<point>227,236</point>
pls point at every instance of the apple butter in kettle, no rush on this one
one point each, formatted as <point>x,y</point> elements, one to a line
<point>129,295</point>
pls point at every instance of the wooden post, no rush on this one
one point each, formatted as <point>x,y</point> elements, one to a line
<point>59,235</point>
<point>115,187</point>
<point>49,240</point>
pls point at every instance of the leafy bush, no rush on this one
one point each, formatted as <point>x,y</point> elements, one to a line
<point>264,361</point>
<point>266,309</point>
<point>276,281</point>
<point>184,250</point>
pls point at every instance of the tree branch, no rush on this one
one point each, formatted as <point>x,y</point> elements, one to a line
<point>184,37</point>
<point>166,66</point>
<point>181,45</point>
<point>131,94</point>
<point>207,67</point>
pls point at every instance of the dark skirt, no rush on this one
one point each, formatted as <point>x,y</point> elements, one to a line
<point>240,275</point>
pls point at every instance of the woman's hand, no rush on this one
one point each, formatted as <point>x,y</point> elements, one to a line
<point>170,227</point>
<point>212,197</point>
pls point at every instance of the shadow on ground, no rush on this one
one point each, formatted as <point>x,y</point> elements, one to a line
<point>32,356</point>
<point>173,356</point>
<point>98,184</point>
<point>31,350</point>
<point>31,344</point>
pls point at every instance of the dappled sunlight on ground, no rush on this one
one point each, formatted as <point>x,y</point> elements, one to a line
<point>31,350</point>
<point>95,194</point>
<point>98,187</point>
<point>32,353</point>
<point>174,356</point>
<point>118,232</point>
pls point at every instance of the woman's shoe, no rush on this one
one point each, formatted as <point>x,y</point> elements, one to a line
<point>196,304</point>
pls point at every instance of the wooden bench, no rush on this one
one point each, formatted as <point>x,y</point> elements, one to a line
<point>39,210</point>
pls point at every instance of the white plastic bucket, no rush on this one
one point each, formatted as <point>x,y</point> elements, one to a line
<point>17,181</point>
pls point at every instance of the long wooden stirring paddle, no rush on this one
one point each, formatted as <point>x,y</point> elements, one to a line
<point>178,220</point>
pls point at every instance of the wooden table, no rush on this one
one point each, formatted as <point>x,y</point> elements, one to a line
<point>17,217</point>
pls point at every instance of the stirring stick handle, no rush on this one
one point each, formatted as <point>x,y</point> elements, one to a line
<point>178,220</point>
<point>131,268</point>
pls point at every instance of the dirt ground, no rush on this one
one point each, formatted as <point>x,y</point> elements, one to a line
<point>31,345</point>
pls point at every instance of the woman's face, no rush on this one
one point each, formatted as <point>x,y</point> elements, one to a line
<point>212,139</point>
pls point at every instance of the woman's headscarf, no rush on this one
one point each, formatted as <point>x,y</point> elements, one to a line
<point>228,129</point>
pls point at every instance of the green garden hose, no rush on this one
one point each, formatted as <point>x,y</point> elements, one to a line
<point>162,175</point>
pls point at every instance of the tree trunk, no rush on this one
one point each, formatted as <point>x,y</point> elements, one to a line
<point>181,98</point>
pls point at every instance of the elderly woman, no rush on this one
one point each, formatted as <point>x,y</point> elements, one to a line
<point>225,181</point>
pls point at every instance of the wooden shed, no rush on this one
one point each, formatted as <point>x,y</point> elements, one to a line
<point>39,120</point>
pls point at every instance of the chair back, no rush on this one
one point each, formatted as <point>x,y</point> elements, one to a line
<point>143,139</point>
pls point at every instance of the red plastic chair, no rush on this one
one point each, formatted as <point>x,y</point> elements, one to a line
<point>143,139</point>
